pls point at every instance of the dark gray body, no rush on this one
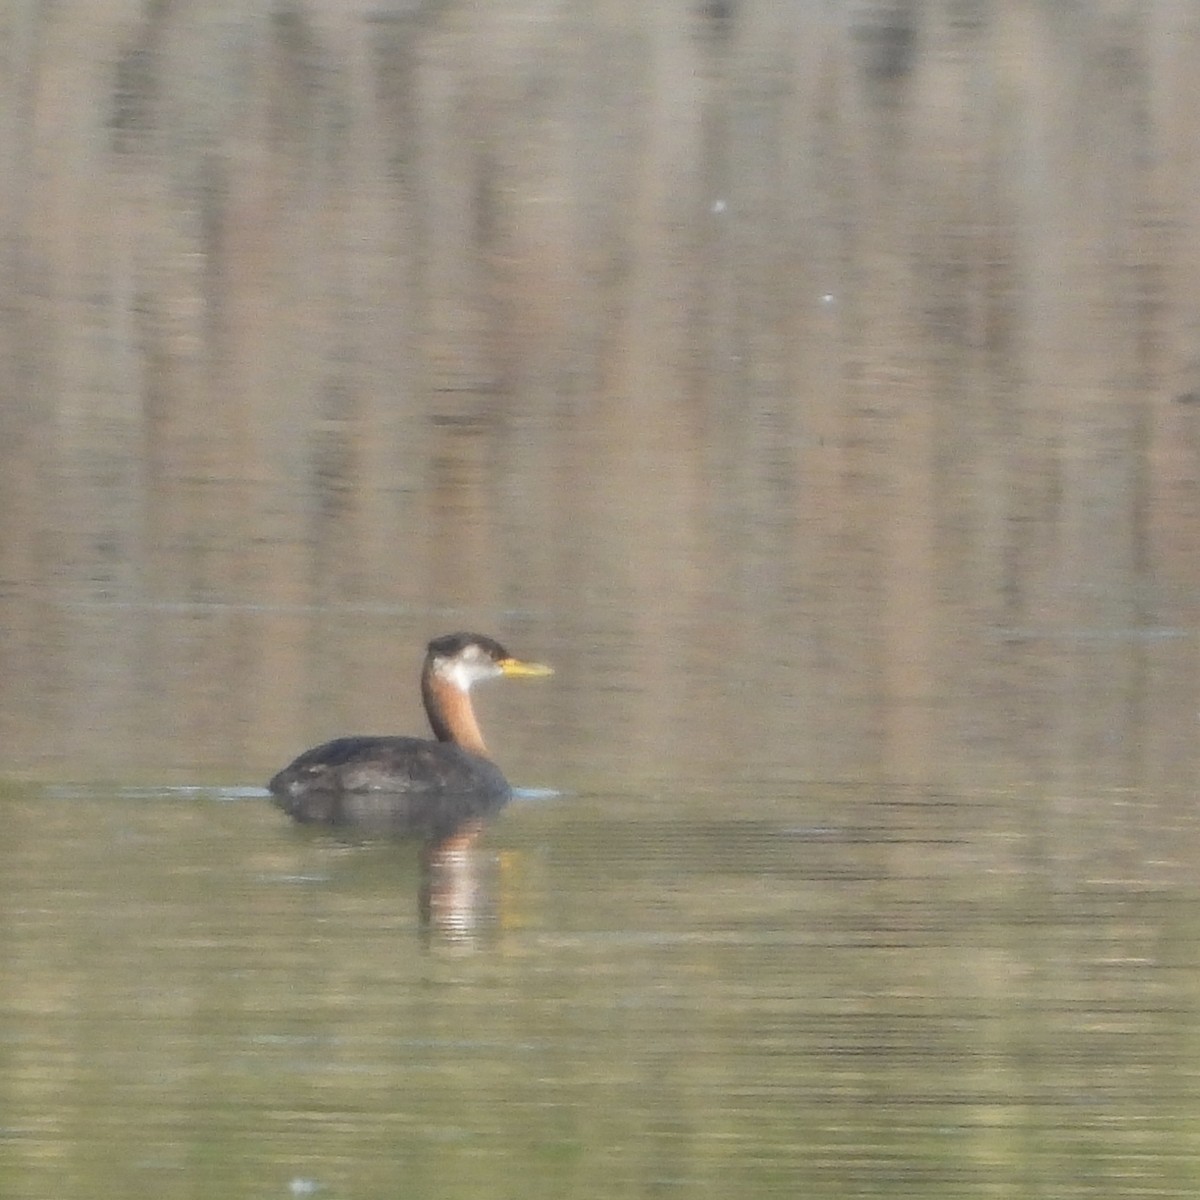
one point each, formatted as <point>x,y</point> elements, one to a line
<point>401,784</point>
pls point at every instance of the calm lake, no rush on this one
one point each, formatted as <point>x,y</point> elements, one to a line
<point>814,386</point>
<point>745,989</point>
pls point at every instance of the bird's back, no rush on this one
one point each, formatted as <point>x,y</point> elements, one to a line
<point>392,781</point>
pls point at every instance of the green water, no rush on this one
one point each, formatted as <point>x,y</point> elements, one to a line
<point>832,992</point>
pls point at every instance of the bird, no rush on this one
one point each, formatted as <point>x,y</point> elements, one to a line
<point>409,784</point>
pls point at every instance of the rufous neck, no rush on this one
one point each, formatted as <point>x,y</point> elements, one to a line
<point>450,713</point>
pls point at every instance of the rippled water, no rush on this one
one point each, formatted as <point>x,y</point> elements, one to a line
<point>833,990</point>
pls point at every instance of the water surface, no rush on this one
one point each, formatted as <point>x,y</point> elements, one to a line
<point>847,990</point>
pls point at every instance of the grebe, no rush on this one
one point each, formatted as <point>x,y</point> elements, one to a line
<point>408,783</point>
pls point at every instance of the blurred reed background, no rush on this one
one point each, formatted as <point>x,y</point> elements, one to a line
<point>813,383</point>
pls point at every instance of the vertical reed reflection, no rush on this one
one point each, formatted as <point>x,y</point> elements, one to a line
<point>808,379</point>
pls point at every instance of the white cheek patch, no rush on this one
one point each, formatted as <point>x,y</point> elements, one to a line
<point>461,673</point>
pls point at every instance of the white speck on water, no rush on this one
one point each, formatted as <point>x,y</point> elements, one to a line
<point>536,793</point>
<point>718,206</point>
